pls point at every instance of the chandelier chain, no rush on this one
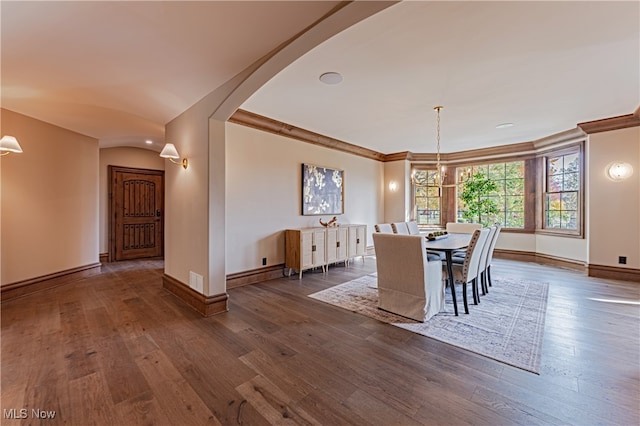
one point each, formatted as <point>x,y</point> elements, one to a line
<point>438,166</point>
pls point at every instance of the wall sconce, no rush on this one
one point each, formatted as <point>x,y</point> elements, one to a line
<point>169,151</point>
<point>9,144</point>
<point>618,171</point>
<point>393,186</point>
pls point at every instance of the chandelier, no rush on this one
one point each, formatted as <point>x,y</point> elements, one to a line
<point>440,173</point>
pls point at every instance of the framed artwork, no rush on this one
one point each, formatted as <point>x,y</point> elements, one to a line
<point>322,190</point>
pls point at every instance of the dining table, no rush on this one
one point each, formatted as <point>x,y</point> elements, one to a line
<point>450,243</point>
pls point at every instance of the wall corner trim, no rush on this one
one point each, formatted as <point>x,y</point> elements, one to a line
<point>205,305</point>
<point>45,282</point>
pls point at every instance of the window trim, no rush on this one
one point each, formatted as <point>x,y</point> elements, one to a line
<point>528,209</point>
<point>535,176</point>
<point>414,206</point>
<point>541,224</point>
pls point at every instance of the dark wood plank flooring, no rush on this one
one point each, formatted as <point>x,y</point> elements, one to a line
<point>117,349</point>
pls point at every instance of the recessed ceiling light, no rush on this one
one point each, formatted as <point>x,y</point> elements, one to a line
<point>504,125</point>
<point>148,142</point>
<point>331,78</point>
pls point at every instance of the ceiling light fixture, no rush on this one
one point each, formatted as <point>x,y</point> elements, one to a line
<point>171,153</point>
<point>440,174</point>
<point>504,125</point>
<point>331,78</point>
<point>9,144</point>
<point>148,142</point>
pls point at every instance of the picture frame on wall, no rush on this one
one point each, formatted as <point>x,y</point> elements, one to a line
<point>322,190</point>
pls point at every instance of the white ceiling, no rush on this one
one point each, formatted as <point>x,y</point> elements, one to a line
<point>119,71</point>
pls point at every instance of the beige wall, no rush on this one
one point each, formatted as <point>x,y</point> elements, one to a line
<point>191,193</point>
<point>125,157</point>
<point>563,247</point>
<point>397,204</point>
<point>614,207</point>
<point>263,193</point>
<point>49,200</point>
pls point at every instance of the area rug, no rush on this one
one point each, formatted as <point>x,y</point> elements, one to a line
<point>507,325</point>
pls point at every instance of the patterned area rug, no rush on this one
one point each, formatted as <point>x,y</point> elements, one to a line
<point>507,325</point>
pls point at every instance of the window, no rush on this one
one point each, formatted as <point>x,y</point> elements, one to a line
<point>509,197</point>
<point>562,192</point>
<point>426,199</point>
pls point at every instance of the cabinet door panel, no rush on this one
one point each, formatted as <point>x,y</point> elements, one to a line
<point>341,244</point>
<point>361,240</point>
<point>352,244</point>
<point>306,249</point>
<point>332,240</point>
<point>319,252</point>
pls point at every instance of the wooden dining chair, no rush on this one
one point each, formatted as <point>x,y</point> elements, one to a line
<point>467,271</point>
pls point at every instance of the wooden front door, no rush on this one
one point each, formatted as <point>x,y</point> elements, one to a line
<point>136,228</point>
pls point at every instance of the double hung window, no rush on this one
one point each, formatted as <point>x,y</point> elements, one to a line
<point>426,198</point>
<point>562,197</point>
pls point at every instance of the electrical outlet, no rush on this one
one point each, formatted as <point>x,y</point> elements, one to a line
<point>622,260</point>
<point>264,260</point>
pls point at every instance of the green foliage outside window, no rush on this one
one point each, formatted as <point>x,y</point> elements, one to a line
<point>563,185</point>
<point>507,196</point>
<point>476,198</point>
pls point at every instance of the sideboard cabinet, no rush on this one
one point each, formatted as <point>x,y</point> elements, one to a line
<point>308,248</point>
<point>357,244</point>
<point>305,249</point>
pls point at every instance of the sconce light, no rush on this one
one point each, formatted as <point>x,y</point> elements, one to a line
<point>169,151</point>
<point>9,144</point>
<point>393,186</point>
<point>618,171</point>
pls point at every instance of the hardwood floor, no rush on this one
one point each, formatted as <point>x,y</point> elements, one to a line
<point>117,349</point>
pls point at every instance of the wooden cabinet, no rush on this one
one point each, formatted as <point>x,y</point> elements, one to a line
<point>357,241</point>
<point>308,248</point>
<point>305,249</point>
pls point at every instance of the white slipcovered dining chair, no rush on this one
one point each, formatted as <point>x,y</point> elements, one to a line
<point>400,228</point>
<point>486,258</point>
<point>462,228</point>
<point>490,255</point>
<point>467,271</point>
<point>384,228</point>
<point>413,228</point>
<point>408,284</point>
<point>482,267</point>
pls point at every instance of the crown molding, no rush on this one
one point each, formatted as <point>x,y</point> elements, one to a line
<point>398,156</point>
<point>522,149</point>
<point>270,125</point>
<point>613,123</point>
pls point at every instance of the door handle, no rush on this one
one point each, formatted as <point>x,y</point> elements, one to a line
<point>158,212</point>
